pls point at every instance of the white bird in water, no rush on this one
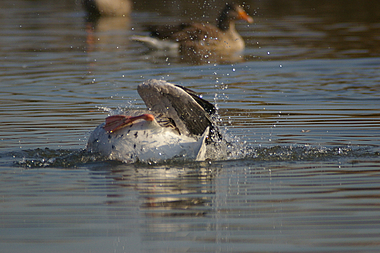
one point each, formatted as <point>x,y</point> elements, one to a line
<point>177,124</point>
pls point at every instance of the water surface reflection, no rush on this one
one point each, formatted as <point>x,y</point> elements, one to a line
<point>225,205</point>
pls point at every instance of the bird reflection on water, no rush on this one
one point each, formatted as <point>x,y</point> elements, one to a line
<point>163,192</point>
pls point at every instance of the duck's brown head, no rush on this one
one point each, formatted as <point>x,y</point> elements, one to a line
<point>230,13</point>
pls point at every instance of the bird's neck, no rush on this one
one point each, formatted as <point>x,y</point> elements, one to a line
<point>224,23</point>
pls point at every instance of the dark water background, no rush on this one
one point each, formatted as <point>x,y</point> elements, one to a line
<point>302,109</point>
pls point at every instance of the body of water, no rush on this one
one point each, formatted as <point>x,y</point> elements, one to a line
<point>301,106</point>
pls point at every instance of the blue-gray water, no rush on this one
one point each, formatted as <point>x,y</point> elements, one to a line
<point>302,109</point>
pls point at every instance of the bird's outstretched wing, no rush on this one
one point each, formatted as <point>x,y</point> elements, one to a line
<point>191,114</point>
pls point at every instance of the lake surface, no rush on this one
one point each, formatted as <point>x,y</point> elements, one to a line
<point>302,107</point>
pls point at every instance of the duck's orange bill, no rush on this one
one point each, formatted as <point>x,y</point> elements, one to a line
<point>243,15</point>
<point>117,122</point>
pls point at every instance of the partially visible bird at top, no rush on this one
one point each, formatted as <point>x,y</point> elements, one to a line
<point>117,8</point>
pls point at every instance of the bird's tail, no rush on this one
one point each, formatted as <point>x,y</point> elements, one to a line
<point>156,44</point>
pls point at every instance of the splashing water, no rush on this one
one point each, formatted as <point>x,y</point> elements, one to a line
<point>39,158</point>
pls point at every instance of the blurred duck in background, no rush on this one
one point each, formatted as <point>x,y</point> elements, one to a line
<point>106,23</point>
<point>200,39</point>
